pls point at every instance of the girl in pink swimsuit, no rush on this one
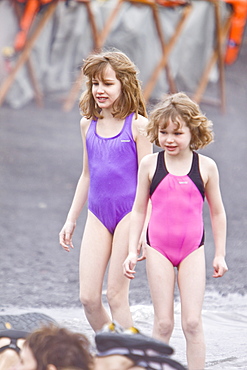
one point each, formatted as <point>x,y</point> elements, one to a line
<point>175,181</point>
<point>113,129</point>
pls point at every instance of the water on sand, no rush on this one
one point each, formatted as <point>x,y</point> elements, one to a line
<point>224,319</point>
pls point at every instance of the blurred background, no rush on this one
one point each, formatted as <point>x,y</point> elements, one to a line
<point>176,44</point>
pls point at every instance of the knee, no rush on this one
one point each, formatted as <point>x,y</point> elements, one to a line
<point>192,326</point>
<point>164,328</point>
<point>114,298</point>
<point>89,301</point>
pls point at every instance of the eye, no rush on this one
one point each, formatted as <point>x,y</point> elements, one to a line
<point>178,133</point>
<point>162,132</point>
<point>95,83</point>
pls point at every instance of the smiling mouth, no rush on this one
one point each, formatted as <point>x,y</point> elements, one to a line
<point>170,147</point>
<point>101,98</point>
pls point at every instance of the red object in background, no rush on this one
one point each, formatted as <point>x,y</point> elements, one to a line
<point>238,21</point>
<point>172,2</point>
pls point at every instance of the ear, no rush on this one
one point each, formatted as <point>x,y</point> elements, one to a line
<point>51,367</point>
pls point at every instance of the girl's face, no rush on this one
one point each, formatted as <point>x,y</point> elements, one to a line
<point>106,90</point>
<point>173,139</point>
<point>27,360</point>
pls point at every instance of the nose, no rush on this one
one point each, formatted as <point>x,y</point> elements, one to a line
<point>100,88</point>
<point>170,138</point>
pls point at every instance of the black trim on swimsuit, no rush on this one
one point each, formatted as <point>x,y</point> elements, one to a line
<point>195,174</point>
<point>203,238</point>
<point>161,172</point>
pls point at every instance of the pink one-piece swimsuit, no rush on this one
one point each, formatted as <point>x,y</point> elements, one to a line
<point>176,223</point>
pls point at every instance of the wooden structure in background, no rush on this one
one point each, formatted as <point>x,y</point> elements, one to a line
<point>166,48</point>
<point>24,54</point>
<point>217,57</point>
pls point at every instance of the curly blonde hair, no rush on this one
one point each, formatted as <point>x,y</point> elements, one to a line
<point>131,99</point>
<point>177,107</point>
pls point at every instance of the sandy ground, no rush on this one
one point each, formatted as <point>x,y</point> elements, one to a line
<point>40,162</point>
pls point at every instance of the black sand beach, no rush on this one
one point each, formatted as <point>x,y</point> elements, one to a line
<point>40,162</point>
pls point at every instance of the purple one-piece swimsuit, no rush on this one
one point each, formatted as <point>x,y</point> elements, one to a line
<point>113,167</point>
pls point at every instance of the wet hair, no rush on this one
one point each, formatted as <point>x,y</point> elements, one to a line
<point>131,99</point>
<point>52,345</point>
<point>177,107</point>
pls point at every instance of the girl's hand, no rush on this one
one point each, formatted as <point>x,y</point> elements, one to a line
<point>142,248</point>
<point>220,266</point>
<point>129,265</point>
<point>65,235</point>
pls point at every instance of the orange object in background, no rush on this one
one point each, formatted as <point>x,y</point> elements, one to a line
<point>238,21</point>
<point>32,7</point>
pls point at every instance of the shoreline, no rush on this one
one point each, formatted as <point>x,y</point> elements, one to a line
<point>224,321</point>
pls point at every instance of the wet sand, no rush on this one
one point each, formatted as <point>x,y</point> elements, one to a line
<point>225,327</point>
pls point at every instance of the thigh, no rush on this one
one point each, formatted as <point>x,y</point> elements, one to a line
<point>161,278</point>
<point>94,255</point>
<point>119,252</point>
<point>191,282</point>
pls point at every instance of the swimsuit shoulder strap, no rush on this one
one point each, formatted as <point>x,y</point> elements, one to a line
<point>128,119</point>
<point>128,122</point>
<point>160,172</point>
<point>91,128</point>
<point>195,174</point>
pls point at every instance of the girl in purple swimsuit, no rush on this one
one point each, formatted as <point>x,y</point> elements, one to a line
<point>114,141</point>
<point>176,180</point>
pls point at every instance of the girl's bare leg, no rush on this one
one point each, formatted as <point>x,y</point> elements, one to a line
<point>94,257</point>
<point>161,278</point>
<point>191,281</point>
<point>118,284</point>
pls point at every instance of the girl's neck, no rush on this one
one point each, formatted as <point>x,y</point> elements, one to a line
<point>109,126</point>
<point>179,165</point>
<point>107,114</point>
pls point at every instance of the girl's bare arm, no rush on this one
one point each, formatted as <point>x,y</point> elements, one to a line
<point>80,196</point>
<point>138,214</point>
<point>144,147</point>
<point>217,215</point>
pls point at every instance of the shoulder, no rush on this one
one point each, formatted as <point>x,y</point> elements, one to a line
<point>148,165</point>
<point>149,160</point>
<point>84,124</point>
<point>139,125</point>
<point>140,120</point>
<point>208,167</point>
<point>207,162</point>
